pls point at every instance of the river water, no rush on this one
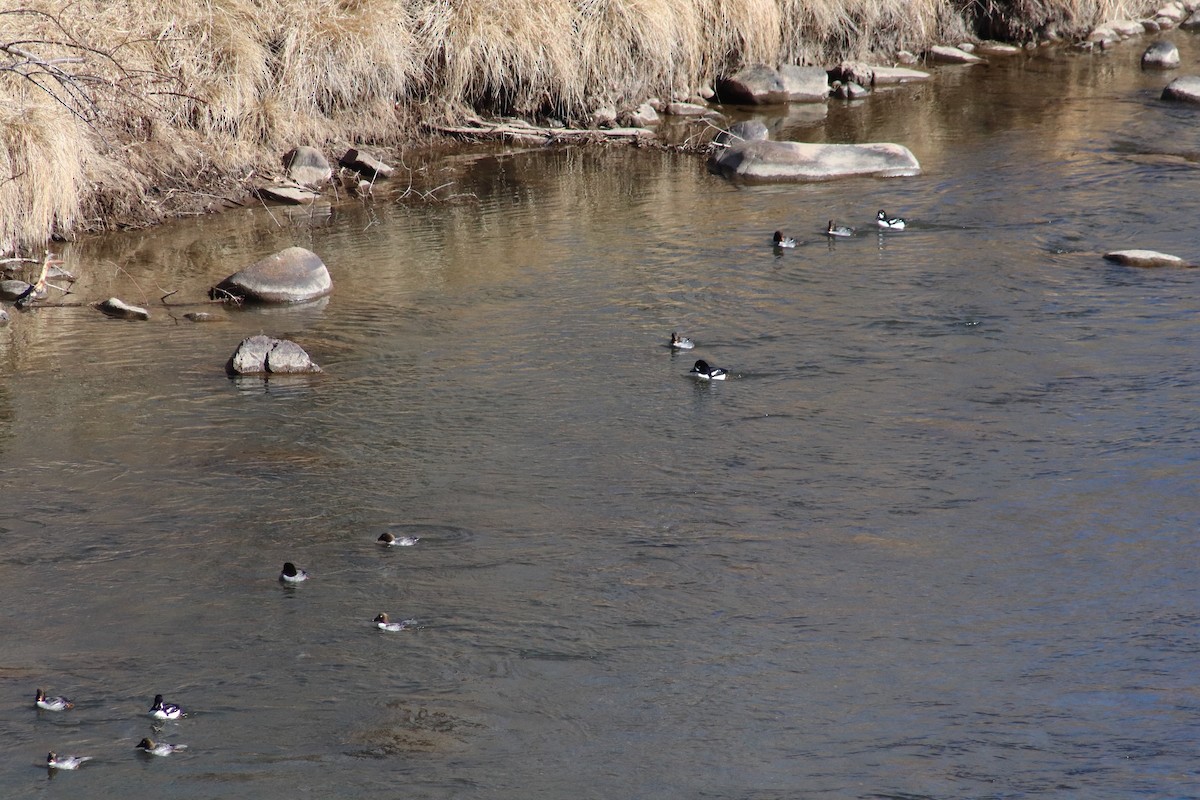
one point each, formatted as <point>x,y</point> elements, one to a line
<point>936,537</point>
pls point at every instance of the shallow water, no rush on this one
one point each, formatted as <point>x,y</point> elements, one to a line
<point>935,538</point>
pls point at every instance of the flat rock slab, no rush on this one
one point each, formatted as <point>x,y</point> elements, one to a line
<point>1185,89</point>
<point>1145,258</point>
<point>262,355</point>
<point>803,161</point>
<point>944,54</point>
<point>293,275</point>
<point>365,164</point>
<point>886,76</point>
<point>115,307</point>
<point>288,195</point>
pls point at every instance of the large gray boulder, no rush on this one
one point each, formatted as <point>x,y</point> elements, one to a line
<point>307,166</point>
<point>365,164</point>
<point>804,84</point>
<point>1185,89</point>
<point>767,160</point>
<point>260,355</point>
<point>749,130</point>
<point>754,85</point>
<point>293,275</point>
<point>1161,55</point>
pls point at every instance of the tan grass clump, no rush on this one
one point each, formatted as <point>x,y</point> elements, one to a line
<point>126,110</point>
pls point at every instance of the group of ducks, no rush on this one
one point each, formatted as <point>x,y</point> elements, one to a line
<point>704,371</point>
<point>291,574</point>
<point>882,220</point>
<point>161,710</point>
<point>158,710</point>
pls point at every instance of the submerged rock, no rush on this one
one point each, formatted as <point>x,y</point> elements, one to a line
<point>749,130</point>
<point>1161,55</point>
<point>260,355</point>
<point>1145,258</point>
<point>292,195</point>
<point>849,90</point>
<point>307,166</point>
<point>762,159</point>
<point>1185,89</point>
<point>293,275</point>
<point>12,289</point>
<point>118,308</point>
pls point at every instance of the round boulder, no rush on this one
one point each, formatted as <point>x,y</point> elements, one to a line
<point>307,165</point>
<point>261,355</point>
<point>1185,89</point>
<point>293,275</point>
<point>1161,55</point>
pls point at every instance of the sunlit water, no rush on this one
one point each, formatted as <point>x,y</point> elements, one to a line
<point>935,537</point>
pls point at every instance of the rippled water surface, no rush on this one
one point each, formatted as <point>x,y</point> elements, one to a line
<point>935,538</point>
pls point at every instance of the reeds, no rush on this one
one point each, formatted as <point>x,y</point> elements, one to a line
<point>106,104</point>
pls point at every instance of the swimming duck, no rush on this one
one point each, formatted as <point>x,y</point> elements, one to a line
<point>783,241</point>
<point>702,371</point>
<point>51,703</point>
<point>389,540</point>
<point>681,342</point>
<point>159,748</point>
<point>161,710</point>
<point>292,575</point>
<point>838,230</point>
<point>55,761</point>
<point>381,621</point>
<point>884,221</point>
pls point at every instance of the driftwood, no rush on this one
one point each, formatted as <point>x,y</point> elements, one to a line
<point>479,130</point>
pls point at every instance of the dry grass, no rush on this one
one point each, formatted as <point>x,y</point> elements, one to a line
<point>112,111</point>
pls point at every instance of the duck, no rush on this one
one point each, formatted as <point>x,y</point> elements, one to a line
<point>55,761</point>
<point>159,748</point>
<point>384,624</point>
<point>783,241</point>
<point>884,221</point>
<point>681,342</point>
<point>838,230</point>
<point>702,371</point>
<point>51,703</point>
<point>161,710</point>
<point>390,540</point>
<point>292,575</point>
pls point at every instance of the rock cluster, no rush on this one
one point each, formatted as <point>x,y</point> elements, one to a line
<point>263,355</point>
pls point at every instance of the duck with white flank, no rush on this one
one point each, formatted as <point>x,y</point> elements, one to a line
<point>681,342</point>
<point>783,241</point>
<point>292,575</point>
<point>390,540</point>
<point>51,703</point>
<point>893,223</point>
<point>159,748</point>
<point>55,761</point>
<point>384,624</point>
<point>161,710</point>
<point>838,230</point>
<point>702,371</point>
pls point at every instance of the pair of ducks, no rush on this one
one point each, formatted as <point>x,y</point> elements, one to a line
<point>843,231</point>
<point>701,370</point>
<point>158,710</point>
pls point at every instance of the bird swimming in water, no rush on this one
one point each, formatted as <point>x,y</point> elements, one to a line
<point>55,761</point>
<point>384,624</point>
<point>159,748</point>
<point>161,710</point>
<point>884,221</point>
<point>702,371</point>
<point>783,241</point>
<point>391,540</point>
<point>838,230</point>
<point>681,342</point>
<point>51,703</point>
<point>292,575</point>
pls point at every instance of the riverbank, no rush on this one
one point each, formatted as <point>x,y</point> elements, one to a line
<point>123,114</point>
